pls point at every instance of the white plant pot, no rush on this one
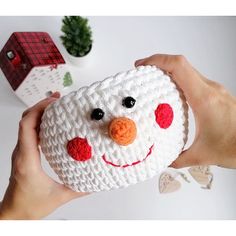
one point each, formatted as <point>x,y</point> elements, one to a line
<point>81,61</point>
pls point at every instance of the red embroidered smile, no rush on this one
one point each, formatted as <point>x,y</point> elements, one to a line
<point>126,165</point>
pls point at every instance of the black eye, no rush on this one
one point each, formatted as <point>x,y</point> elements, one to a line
<point>128,102</point>
<point>97,114</point>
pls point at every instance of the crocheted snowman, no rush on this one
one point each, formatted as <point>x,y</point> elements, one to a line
<point>117,132</point>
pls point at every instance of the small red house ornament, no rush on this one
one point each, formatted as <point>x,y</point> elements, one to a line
<point>33,66</point>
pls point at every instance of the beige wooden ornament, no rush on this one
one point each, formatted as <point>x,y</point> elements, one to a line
<point>202,175</point>
<point>168,184</point>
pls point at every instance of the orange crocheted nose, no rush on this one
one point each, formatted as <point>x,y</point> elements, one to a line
<point>122,130</point>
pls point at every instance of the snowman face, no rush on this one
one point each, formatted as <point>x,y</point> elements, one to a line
<point>118,132</point>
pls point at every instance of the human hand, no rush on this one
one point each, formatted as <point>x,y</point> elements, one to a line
<point>214,110</point>
<point>31,194</point>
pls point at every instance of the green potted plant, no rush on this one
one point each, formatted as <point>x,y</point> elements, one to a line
<point>77,39</point>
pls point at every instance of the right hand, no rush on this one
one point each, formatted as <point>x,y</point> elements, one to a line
<point>214,110</point>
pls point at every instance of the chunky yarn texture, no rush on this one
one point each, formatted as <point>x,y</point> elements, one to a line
<point>117,132</point>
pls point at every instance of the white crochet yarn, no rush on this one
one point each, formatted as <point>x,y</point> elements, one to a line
<point>69,117</point>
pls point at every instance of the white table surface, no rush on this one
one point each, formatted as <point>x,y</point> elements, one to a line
<point>209,43</point>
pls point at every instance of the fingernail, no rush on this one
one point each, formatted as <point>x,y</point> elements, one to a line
<point>55,95</point>
<point>173,164</point>
<point>51,99</point>
<point>139,62</point>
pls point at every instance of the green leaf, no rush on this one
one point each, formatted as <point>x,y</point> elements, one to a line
<point>77,35</point>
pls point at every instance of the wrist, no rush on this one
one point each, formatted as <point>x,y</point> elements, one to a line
<point>3,215</point>
<point>1,211</point>
<point>8,214</point>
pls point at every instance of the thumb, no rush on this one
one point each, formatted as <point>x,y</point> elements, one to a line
<point>187,158</point>
<point>193,156</point>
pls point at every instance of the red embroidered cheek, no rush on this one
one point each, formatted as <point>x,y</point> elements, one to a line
<point>164,115</point>
<point>79,149</point>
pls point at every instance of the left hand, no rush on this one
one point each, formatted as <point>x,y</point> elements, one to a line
<point>31,193</point>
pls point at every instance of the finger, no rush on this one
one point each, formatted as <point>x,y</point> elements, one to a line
<point>28,135</point>
<point>185,76</point>
<point>53,95</point>
<point>191,157</point>
<point>185,159</point>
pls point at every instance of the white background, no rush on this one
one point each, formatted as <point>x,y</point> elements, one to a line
<point>208,42</point>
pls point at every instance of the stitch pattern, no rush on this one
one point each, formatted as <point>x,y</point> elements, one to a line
<point>111,164</point>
